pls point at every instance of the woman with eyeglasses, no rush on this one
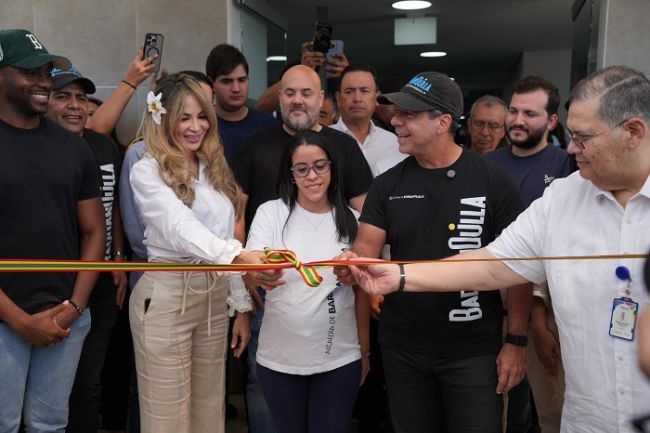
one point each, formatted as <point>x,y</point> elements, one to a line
<point>310,360</point>
<point>188,199</point>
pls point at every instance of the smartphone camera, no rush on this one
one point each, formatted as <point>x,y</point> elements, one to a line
<point>322,37</point>
<point>151,44</point>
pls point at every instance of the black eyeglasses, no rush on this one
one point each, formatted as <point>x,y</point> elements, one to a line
<point>321,166</point>
<point>580,140</point>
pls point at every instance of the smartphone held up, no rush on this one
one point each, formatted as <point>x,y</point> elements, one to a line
<point>153,45</point>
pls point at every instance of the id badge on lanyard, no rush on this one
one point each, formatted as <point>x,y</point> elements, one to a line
<point>622,323</point>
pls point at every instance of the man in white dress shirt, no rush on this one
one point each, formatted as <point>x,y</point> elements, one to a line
<point>356,102</point>
<point>605,209</point>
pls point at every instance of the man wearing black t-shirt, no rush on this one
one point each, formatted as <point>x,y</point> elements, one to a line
<point>68,107</point>
<point>534,164</point>
<point>256,169</point>
<point>440,352</point>
<point>49,209</point>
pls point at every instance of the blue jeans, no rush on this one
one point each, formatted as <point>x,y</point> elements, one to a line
<point>259,416</point>
<point>36,381</point>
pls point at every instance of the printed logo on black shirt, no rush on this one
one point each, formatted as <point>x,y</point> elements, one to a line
<point>466,236</point>
<point>107,187</point>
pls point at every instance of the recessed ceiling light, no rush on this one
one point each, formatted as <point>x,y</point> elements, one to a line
<point>276,59</point>
<point>411,5</point>
<point>433,54</point>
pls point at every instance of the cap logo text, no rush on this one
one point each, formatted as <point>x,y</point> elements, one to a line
<point>34,41</point>
<point>421,83</point>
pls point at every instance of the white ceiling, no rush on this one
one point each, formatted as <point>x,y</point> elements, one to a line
<point>483,38</point>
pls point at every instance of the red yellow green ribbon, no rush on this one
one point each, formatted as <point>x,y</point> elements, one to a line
<point>277,259</point>
<point>307,272</point>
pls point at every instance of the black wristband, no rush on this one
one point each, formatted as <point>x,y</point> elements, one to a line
<point>517,340</point>
<point>402,277</point>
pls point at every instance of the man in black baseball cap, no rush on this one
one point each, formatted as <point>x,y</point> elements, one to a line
<point>68,104</point>
<point>440,351</point>
<point>68,107</point>
<point>428,91</point>
<point>50,209</point>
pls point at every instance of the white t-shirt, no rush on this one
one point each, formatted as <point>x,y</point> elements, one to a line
<point>306,330</point>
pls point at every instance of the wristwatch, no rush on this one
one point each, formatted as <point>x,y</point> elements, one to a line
<point>517,340</point>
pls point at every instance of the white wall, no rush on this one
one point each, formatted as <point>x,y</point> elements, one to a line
<point>624,37</point>
<point>555,66</point>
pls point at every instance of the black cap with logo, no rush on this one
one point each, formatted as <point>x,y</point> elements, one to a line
<point>428,91</point>
<point>63,77</point>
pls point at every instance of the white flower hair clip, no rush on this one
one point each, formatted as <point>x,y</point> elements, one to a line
<point>154,106</point>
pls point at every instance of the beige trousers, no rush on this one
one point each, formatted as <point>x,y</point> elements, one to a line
<point>548,391</point>
<point>179,323</point>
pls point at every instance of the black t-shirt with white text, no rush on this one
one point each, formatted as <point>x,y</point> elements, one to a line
<point>44,173</point>
<point>432,214</point>
<point>257,165</point>
<point>109,162</point>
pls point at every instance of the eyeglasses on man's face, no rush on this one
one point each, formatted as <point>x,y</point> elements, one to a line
<point>480,124</point>
<point>321,166</point>
<point>580,139</point>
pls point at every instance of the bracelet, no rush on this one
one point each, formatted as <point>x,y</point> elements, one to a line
<point>118,253</point>
<point>76,307</point>
<point>131,85</point>
<point>365,354</point>
<point>517,340</point>
<point>402,277</point>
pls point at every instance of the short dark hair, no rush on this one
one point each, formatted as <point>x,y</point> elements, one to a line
<point>532,83</point>
<point>359,67</point>
<point>346,223</point>
<point>223,59</point>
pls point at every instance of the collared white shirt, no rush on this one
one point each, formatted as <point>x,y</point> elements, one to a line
<point>605,387</point>
<point>177,233</point>
<point>380,147</point>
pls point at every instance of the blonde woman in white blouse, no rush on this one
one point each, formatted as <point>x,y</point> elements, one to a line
<point>188,200</point>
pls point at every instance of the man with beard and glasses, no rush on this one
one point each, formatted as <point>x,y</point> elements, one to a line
<point>534,164</point>
<point>256,168</point>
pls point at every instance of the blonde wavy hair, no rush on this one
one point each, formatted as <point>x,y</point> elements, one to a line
<point>162,144</point>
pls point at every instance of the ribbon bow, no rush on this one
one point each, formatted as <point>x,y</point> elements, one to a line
<point>308,273</point>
